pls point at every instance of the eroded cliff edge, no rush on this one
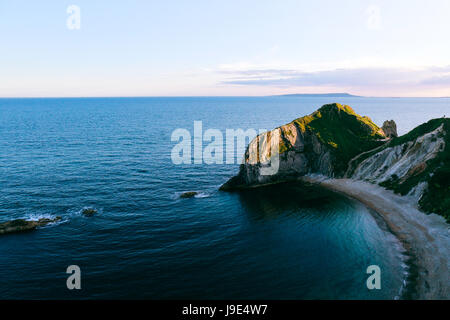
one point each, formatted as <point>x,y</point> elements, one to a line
<point>336,142</point>
<point>322,142</point>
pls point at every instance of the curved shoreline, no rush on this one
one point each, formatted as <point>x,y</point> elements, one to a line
<point>425,237</point>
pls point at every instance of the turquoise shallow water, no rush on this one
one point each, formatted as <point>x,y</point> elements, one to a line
<point>58,156</point>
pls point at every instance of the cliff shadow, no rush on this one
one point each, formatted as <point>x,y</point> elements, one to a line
<point>271,201</point>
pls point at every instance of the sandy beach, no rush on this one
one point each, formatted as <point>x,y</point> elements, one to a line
<point>425,237</point>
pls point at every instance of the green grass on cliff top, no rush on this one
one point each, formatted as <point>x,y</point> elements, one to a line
<point>343,131</point>
<point>437,173</point>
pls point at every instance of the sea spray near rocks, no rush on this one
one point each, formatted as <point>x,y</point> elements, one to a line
<point>158,234</point>
<point>188,194</point>
<point>22,225</point>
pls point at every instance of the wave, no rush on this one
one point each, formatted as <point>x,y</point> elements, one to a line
<point>199,195</point>
<point>202,195</point>
<point>38,216</point>
<point>424,237</point>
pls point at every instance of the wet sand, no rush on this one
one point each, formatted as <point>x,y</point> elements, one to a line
<point>426,238</point>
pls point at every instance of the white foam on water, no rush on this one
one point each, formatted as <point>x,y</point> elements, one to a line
<point>199,195</point>
<point>428,236</point>
<point>77,212</point>
<point>202,195</point>
<point>38,216</point>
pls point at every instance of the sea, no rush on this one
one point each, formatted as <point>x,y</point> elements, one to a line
<point>59,156</point>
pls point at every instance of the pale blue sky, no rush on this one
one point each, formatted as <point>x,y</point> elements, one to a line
<point>169,48</point>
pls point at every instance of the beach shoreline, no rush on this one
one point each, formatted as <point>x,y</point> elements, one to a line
<point>425,237</point>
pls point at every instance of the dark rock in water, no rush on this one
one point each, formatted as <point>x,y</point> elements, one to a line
<point>21,225</point>
<point>189,194</point>
<point>390,129</point>
<point>88,212</point>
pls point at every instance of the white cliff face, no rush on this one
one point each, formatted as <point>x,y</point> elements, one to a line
<point>288,143</point>
<point>316,143</point>
<point>402,161</point>
<point>416,193</point>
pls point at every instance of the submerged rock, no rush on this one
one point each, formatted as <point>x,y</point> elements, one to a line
<point>188,194</point>
<point>88,212</point>
<point>22,225</point>
<point>390,129</point>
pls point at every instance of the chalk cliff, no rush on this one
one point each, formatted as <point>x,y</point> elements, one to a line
<point>322,142</point>
<point>336,142</point>
<point>416,164</point>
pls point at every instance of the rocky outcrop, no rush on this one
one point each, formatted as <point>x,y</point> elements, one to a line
<point>416,164</point>
<point>390,129</point>
<point>322,142</point>
<point>21,225</point>
<point>336,142</point>
<point>402,161</point>
<point>305,154</point>
<point>188,194</point>
<point>88,212</point>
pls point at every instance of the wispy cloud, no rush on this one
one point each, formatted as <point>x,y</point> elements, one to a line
<point>443,80</point>
<point>342,77</point>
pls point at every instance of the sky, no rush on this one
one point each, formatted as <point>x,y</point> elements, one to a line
<point>83,48</point>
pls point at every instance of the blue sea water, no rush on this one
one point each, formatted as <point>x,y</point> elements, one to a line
<point>58,156</point>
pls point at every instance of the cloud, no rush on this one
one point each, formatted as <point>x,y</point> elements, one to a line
<point>443,80</point>
<point>342,77</point>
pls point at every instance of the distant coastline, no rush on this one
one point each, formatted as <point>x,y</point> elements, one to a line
<point>312,95</point>
<point>304,95</point>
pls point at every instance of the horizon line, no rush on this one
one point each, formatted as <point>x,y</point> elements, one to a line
<point>288,95</point>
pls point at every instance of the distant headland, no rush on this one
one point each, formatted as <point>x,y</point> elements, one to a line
<point>398,177</point>
<point>311,95</point>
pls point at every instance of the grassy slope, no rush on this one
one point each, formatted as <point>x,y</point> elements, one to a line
<point>437,197</point>
<point>344,132</point>
<point>347,134</point>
